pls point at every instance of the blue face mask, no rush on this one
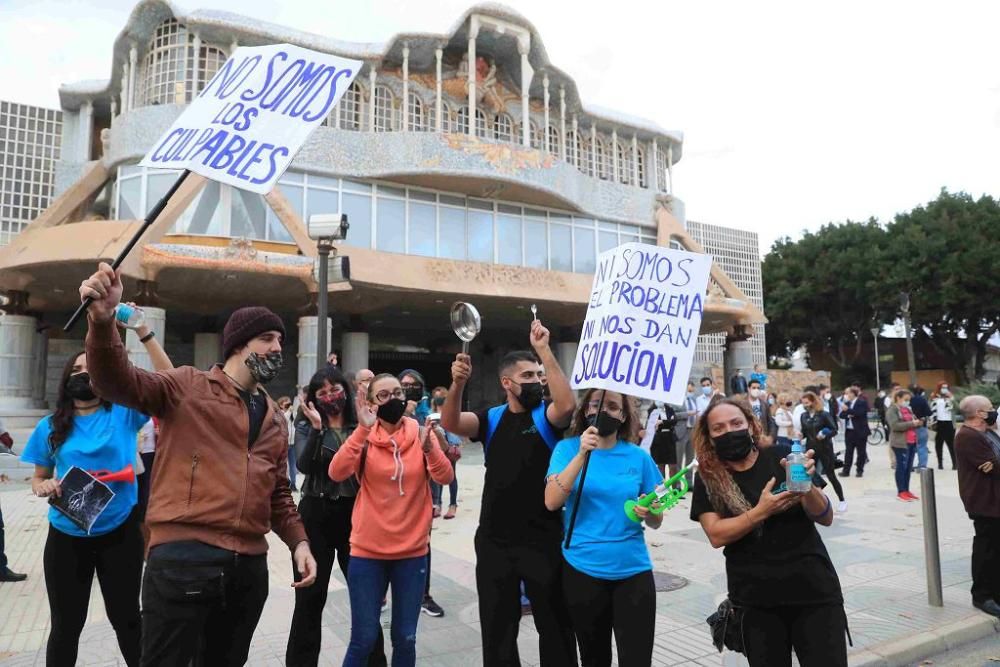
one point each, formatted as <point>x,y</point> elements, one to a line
<point>707,391</point>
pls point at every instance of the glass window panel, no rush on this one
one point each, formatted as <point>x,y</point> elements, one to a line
<point>323,181</point>
<point>322,202</point>
<point>480,235</point>
<point>561,238</point>
<point>291,176</point>
<point>391,191</point>
<point>422,195</point>
<point>356,186</point>
<point>129,199</point>
<point>583,250</point>
<point>390,227</point>
<point>275,229</point>
<point>247,216</point>
<point>359,215</point>
<point>609,226</point>
<point>583,222</point>
<point>452,232</point>
<point>509,239</point>
<point>453,201</point>
<point>559,217</point>
<point>507,208</point>
<point>205,216</point>
<point>481,204</point>
<point>607,240</point>
<point>632,230</point>
<point>294,194</point>
<point>423,229</point>
<point>157,184</point>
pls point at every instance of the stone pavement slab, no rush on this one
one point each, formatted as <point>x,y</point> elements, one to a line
<point>877,547</point>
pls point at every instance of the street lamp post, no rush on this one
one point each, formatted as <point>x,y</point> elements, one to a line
<point>904,307</point>
<point>878,373</point>
<point>325,229</point>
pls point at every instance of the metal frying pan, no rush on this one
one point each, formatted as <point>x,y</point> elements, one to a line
<point>466,323</point>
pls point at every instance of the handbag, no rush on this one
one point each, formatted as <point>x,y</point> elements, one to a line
<point>726,624</point>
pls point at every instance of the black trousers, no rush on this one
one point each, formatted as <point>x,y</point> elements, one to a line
<point>815,633</point>
<point>986,559</point>
<point>944,434</point>
<point>145,482</point>
<point>500,568</point>
<point>70,564</point>
<point>855,442</point>
<point>201,608</point>
<point>598,606</point>
<point>328,526</point>
<point>826,460</point>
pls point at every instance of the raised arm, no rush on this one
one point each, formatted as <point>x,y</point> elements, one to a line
<point>453,419</point>
<point>560,410</point>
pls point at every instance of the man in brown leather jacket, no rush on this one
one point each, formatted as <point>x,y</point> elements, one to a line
<point>221,483</point>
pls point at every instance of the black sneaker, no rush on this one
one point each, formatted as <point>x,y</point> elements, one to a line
<point>9,575</point>
<point>988,606</point>
<point>431,608</point>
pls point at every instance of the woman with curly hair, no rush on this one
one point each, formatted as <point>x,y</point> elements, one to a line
<point>780,577</point>
<point>607,572</point>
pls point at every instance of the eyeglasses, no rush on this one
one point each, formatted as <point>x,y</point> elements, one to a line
<point>385,395</point>
<point>610,408</point>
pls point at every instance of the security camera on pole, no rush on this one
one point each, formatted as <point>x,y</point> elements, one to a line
<point>325,229</point>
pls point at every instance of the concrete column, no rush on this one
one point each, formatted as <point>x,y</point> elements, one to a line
<point>156,320</point>
<point>354,351</point>
<point>18,363</point>
<point>307,348</point>
<point>438,105</point>
<point>594,167</point>
<point>635,161</point>
<point>133,58</point>
<point>233,46</point>
<point>577,144</point>
<point>562,122</point>
<point>405,124</point>
<point>473,32</point>
<point>41,367</point>
<point>566,355</point>
<point>197,67</point>
<point>670,168</point>
<point>523,47</point>
<point>372,75</point>
<point>653,167</point>
<point>86,129</point>
<point>124,86</point>
<point>614,155</point>
<point>738,355</point>
<point>545,98</point>
<point>207,350</point>
<point>114,110</point>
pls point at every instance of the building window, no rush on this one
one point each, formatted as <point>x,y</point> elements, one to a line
<point>572,149</point>
<point>461,121</point>
<point>483,129</point>
<point>417,116</point>
<point>351,108</point>
<point>534,135</point>
<point>503,128</point>
<point>384,112</point>
<point>641,164</point>
<point>603,166</point>
<point>163,66</point>
<point>446,118</point>
<point>624,163</point>
<point>553,140</point>
<point>586,161</point>
<point>210,59</point>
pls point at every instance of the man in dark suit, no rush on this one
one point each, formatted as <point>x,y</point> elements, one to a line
<point>855,413</point>
<point>738,383</point>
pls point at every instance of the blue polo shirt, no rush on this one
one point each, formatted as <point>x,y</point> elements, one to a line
<point>102,440</point>
<point>606,543</point>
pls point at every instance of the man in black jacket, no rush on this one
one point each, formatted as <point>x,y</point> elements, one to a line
<point>738,383</point>
<point>854,412</point>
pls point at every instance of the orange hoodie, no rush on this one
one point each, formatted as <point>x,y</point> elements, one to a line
<point>392,513</point>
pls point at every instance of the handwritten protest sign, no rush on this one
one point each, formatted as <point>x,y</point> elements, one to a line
<point>642,324</point>
<point>251,119</point>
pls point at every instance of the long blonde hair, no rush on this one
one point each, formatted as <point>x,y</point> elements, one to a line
<point>725,495</point>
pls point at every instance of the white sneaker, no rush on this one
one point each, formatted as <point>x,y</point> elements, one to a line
<point>842,506</point>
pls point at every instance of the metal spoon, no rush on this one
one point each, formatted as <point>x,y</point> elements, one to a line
<point>534,312</point>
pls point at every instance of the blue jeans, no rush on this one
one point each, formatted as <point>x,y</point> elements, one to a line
<point>366,583</point>
<point>922,447</point>
<point>437,491</point>
<point>291,467</point>
<point>783,441</point>
<point>904,466</point>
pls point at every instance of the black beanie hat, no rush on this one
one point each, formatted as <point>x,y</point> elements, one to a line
<point>246,324</point>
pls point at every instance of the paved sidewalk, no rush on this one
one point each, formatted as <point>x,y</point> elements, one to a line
<point>877,547</point>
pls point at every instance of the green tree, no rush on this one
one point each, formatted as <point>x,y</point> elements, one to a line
<point>821,290</point>
<point>947,256</point>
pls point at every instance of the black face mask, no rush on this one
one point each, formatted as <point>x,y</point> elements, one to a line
<point>414,394</point>
<point>531,395</point>
<point>264,368</point>
<point>734,445</point>
<point>605,423</point>
<point>78,387</point>
<point>392,410</point>
<point>991,418</point>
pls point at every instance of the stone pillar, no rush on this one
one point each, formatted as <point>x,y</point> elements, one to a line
<point>207,350</point>
<point>578,145</point>
<point>670,168</point>
<point>18,363</point>
<point>595,169</point>
<point>523,47</point>
<point>308,363</point>
<point>405,124</point>
<point>614,155</point>
<point>438,105</point>
<point>41,367</point>
<point>562,122</point>
<point>124,84</point>
<point>133,57</point>
<point>156,320</point>
<point>114,110</point>
<point>738,355</point>
<point>372,75</point>
<point>197,67</point>
<point>545,116</point>
<point>653,167</point>
<point>635,161</point>
<point>86,129</point>
<point>566,354</point>
<point>354,351</point>
<point>473,32</point>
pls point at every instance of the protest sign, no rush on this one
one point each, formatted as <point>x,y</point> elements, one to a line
<point>645,311</point>
<point>251,119</point>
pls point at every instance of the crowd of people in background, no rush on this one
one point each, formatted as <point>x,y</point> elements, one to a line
<point>181,556</point>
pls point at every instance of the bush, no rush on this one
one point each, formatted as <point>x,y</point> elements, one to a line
<point>989,390</point>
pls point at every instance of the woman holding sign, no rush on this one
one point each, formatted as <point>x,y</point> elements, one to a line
<point>91,434</point>
<point>607,573</point>
<point>783,588</point>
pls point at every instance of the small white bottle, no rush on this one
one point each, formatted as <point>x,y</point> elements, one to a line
<point>798,479</point>
<point>131,317</point>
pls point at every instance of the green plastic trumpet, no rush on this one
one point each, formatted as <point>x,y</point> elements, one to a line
<point>666,493</point>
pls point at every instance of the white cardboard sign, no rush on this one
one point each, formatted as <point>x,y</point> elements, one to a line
<point>642,325</point>
<point>254,115</point>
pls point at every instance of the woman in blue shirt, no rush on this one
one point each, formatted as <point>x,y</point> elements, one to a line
<point>607,572</point>
<point>94,435</point>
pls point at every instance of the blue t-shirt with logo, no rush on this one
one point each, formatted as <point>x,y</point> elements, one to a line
<point>606,543</point>
<point>102,440</point>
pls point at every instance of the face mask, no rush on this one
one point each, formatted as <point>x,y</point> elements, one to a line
<point>770,401</point>
<point>734,445</point>
<point>707,391</point>
<point>531,395</point>
<point>991,418</point>
<point>414,394</point>
<point>78,387</point>
<point>392,410</point>
<point>333,404</point>
<point>827,397</point>
<point>945,392</point>
<point>438,402</point>
<point>605,423</point>
<point>906,404</point>
<point>691,393</point>
<point>755,393</point>
<point>264,368</point>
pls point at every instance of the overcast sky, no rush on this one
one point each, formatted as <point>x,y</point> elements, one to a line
<point>794,115</point>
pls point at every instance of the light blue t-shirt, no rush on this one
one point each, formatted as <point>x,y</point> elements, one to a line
<point>606,543</point>
<point>102,440</point>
